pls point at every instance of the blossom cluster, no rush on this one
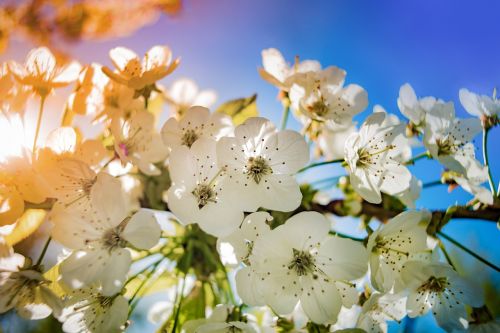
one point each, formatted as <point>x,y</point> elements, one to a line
<point>230,184</point>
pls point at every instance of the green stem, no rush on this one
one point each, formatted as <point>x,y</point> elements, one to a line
<point>335,233</point>
<point>143,283</point>
<point>38,123</point>
<point>284,118</point>
<point>412,161</point>
<point>432,184</point>
<point>178,310</point>
<point>486,161</point>
<point>319,164</point>
<point>446,255</point>
<point>475,255</point>
<point>44,250</point>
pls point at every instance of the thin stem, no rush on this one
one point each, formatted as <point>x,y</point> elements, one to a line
<point>432,184</point>
<point>284,118</point>
<point>335,233</point>
<point>38,123</point>
<point>475,255</point>
<point>446,255</point>
<point>412,161</point>
<point>486,161</point>
<point>44,250</point>
<point>178,310</point>
<point>143,283</point>
<point>319,164</point>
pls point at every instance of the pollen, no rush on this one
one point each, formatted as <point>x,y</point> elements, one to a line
<point>257,168</point>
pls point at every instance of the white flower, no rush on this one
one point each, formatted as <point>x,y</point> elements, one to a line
<point>299,261</point>
<point>99,239</point>
<point>75,184</point>
<point>41,72</point>
<point>279,73</point>
<point>447,137</point>
<point>373,156</point>
<point>331,139</point>
<point>196,123</point>
<point>137,142</point>
<point>393,244</point>
<point>23,288</point>
<point>218,322</point>
<point>14,95</point>
<point>321,96</point>
<point>379,309</point>
<point>438,287</point>
<point>243,238</point>
<point>481,106</point>
<point>260,161</point>
<point>157,64</point>
<point>185,93</point>
<point>197,194</point>
<point>475,175</point>
<point>412,108</point>
<point>88,311</point>
<point>409,196</point>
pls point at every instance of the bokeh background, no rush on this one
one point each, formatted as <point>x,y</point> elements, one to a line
<point>436,46</point>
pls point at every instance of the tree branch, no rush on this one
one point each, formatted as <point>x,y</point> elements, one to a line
<point>338,207</point>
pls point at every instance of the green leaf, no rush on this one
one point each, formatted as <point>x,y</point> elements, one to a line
<point>165,281</point>
<point>240,109</point>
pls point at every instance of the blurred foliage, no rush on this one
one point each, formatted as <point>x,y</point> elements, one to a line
<point>46,21</point>
<point>240,109</point>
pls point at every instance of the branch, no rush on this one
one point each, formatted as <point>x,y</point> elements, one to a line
<point>338,207</point>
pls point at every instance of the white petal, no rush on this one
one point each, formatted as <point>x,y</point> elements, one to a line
<point>142,230</point>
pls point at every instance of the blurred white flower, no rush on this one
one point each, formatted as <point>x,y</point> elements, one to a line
<point>331,140</point>
<point>475,175</point>
<point>481,106</point>
<point>279,73</point>
<point>259,162</point>
<point>137,142</point>
<point>218,322</point>
<point>413,108</point>
<point>156,64</point>
<point>184,93</point>
<point>41,72</point>
<point>373,156</point>
<point>196,123</point>
<point>25,289</point>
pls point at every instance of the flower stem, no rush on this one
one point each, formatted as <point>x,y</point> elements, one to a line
<point>284,118</point>
<point>335,233</point>
<point>141,286</point>
<point>486,161</point>
<point>319,164</point>
<point>44,250</point>
<point>432,184</point>
<point>475,255</point>
<point>38,123</point>
<point>412,161</point>
<point>446,255</point>
<point>179,305</point>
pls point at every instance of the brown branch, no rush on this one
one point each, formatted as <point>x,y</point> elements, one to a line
<point>439,219</point>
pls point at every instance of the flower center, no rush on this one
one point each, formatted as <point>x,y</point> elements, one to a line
<point>318,108</point>
<point>233,329</point>
<point>302,262</point>
<point>434,284</point>
<point>257,167</point>
<point>204,194</point>
<point>112,238</point>
<point>105,301</point>
<point>365,157</point>
<point>445,146</point>
<point>189,137</point>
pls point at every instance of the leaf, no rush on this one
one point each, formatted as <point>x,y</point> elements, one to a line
<point>240,109</point>
<point>27,224</point>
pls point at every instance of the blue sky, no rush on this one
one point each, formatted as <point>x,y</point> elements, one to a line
<point>437,46</point>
